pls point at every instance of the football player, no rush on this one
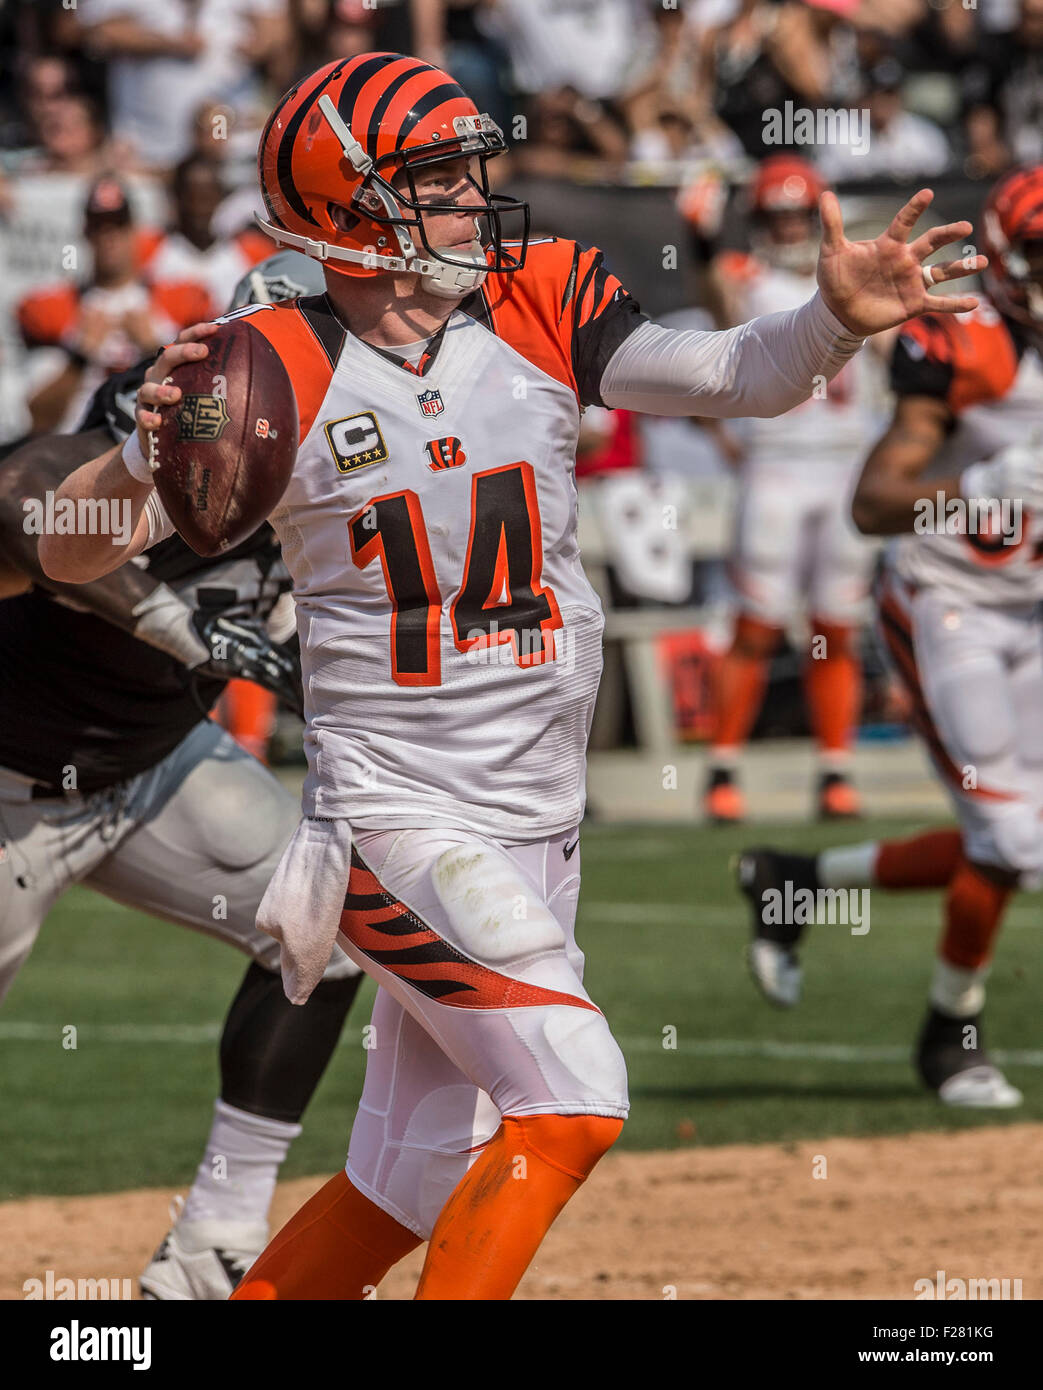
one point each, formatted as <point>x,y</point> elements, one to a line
<point>451,643</point>
<point>795,541</point>
<point>961,472</point>
<point>112,776</point>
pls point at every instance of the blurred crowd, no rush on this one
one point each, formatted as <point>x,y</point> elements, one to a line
<point>584,87</point>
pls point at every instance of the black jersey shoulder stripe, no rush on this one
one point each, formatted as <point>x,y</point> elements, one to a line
<point>570,283</point>
<point>476,306</point>
<point>326,328</point>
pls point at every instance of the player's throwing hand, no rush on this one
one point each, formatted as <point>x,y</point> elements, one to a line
<point>873,285</point>
<point>155,391</point>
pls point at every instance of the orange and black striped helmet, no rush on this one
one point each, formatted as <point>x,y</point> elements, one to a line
<point>1012,238</point>
<point>337,161</point>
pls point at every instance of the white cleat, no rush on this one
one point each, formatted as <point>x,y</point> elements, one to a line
<point>776,971</point>
<point>980,1088</point>
<point>202,1260</point>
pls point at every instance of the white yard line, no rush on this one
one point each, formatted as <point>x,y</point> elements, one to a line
<point>759,1049</point>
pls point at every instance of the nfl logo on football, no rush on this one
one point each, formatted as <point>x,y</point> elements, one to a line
<point>430,403</point>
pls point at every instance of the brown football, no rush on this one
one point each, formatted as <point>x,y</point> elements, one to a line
<point>227,449</point>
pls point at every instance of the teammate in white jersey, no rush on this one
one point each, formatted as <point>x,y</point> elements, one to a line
<point>796,546</point>
<point>960,472</point>
<point>450,644</point>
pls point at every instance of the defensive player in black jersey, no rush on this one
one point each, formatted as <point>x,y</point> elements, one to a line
<point>112,776</point>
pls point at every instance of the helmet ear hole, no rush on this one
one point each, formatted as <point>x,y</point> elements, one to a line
<point>342,218</point>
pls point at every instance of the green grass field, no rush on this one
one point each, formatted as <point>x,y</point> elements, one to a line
<point>663,930</point>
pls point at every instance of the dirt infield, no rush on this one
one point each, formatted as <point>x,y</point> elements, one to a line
<point>737,1222</point>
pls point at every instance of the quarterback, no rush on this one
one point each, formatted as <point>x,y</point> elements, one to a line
<point>430,528</point>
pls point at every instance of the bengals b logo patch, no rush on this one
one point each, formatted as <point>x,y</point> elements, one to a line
<point>444,453</point>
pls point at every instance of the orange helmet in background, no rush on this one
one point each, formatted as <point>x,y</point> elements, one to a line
<point>1012,238</point>
<point>786,184</point>
<point>331,151</point>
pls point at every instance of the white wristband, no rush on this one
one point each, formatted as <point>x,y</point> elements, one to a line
<point>135,462</point>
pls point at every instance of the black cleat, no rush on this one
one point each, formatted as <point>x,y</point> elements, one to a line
<point>762,876</point>
<point>951,1060</point>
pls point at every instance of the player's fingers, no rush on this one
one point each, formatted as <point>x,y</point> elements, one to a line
<point>957,270</point>
<point>931,240</point>
<point>832,222</point>
<point>952,303</point>
<point>906,218</point>
<point>196,331</point>
<point>175,356</point>
<point>155,393</point>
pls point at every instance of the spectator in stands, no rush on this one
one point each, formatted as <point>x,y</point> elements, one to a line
<point>668,111</point>
<point>474,57</point>
<point>594,47</point>
<point>45,81</point>
<point>1003,91</point>
<point>166,59</point>
<point>800,51</point>
<point>71,138</point>
<point>901,144</point>
<point>79,334</point>
<point>192,251</point>
<point>328,29</point>
<point>571,136</point>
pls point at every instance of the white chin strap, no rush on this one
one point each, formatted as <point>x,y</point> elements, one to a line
<point>438,277</point>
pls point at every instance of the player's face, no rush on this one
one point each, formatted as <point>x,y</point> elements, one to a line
<point>791,227</point>
<point>112,248</point>
<point>451,181</point>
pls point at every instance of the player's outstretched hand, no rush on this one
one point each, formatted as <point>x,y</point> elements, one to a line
<point>873,285</point>
<point>156,390</point>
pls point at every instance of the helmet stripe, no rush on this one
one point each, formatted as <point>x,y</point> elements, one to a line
<point>446,91</point>
<point>284,159</point>
<point>355,81</point>
<point>380,110</point>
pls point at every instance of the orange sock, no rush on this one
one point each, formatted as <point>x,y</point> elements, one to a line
<point>973,912</point>
<point>498,1214</point>
<point>742,674</point>
<point>923,861</point>
<point>833,687</point>
<point>248,713</point>
<point>338,1246</point>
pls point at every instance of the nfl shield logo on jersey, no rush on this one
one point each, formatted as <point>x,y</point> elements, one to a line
<point>430,403</point>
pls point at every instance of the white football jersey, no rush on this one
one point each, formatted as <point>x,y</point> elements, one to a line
<point>995,393</point>
<point>451,644</point>
<point>838,421</point>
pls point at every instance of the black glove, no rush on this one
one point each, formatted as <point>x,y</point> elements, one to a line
<point>240,648</point>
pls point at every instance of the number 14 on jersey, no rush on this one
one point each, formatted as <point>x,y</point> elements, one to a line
<point>500,600</point>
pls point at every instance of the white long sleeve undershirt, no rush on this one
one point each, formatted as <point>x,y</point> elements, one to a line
<point>764,367</point>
